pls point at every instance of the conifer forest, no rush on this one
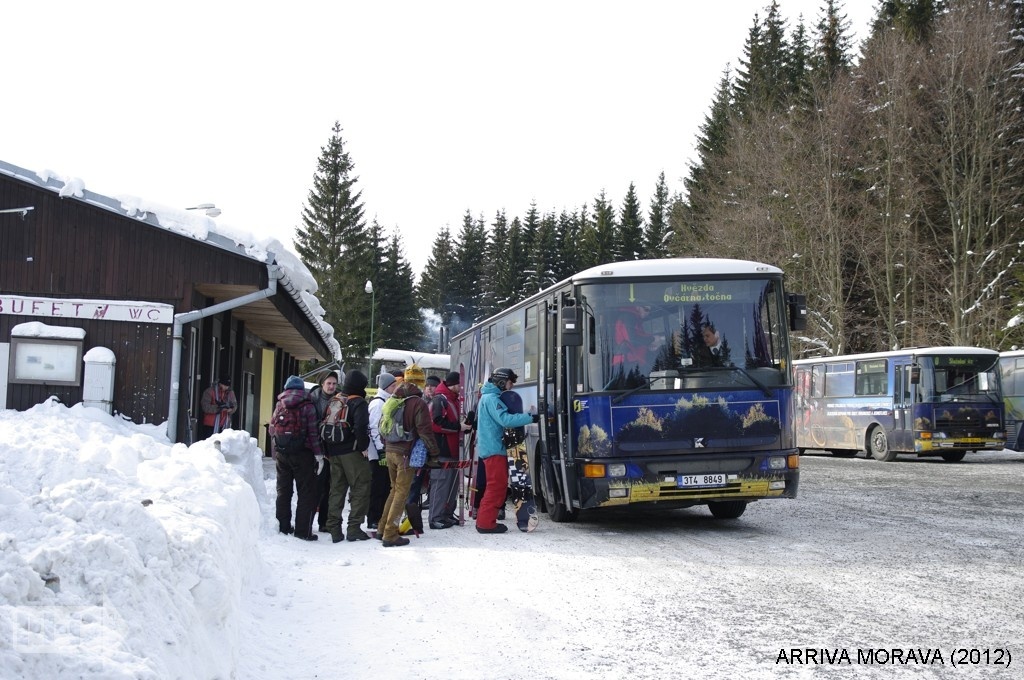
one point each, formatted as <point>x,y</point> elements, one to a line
<point>886,179</point>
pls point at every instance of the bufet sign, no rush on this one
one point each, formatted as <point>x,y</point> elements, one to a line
<point>102,310</point>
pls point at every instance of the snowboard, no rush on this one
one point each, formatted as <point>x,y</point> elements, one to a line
<point>520,485</point>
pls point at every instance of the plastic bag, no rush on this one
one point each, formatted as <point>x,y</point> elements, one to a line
<point>418,455</point>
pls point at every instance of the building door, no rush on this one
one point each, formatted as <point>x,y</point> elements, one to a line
<point>249,419</point>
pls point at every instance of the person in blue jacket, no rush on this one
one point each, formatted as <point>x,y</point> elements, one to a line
<point>492,417</point>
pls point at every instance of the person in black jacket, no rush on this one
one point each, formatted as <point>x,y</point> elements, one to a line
<point>296,450</point>
<point>347,459</point>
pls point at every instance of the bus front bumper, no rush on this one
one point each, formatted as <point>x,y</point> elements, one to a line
<point>690,482</point>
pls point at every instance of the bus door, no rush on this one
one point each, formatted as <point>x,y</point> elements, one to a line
<point>902,436</point>
<point>568,339</point>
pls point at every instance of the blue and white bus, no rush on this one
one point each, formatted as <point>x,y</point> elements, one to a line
<point>934,401</point>
<point>1011,376</point>
<point>664,381</point>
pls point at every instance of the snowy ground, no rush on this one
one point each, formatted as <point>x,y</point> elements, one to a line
<point>913,555</point>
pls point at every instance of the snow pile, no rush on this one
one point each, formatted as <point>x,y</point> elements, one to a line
<point>123,556</point>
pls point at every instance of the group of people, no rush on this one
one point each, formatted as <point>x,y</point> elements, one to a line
<point>374,472</point>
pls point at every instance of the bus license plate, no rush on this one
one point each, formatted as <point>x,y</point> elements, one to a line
<point>700,480</point>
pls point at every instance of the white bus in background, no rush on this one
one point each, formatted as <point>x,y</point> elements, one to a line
<point>932,401</point>
<point>433,364</point>
<point>1011,370</point>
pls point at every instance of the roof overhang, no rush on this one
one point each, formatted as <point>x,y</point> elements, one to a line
<point>266,320</point>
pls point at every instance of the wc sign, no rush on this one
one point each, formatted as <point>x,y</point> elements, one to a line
<point>71,308</point>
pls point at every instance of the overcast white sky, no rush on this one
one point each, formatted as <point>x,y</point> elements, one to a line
<point>445,106</point>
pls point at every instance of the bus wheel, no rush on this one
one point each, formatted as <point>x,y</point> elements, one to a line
<point>556,511</point>
<point>727,509</point>
<point>878,445</point>
<point>954,456</point>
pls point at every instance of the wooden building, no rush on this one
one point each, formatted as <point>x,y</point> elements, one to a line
<point>176,303</point>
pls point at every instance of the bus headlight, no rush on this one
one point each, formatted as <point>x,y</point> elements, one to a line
<point>777,463</point>
<point>775,486</point>
<point>618,493</point>
<point>617,470</point>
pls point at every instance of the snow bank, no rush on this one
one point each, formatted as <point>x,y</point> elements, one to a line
<point>123,556</point>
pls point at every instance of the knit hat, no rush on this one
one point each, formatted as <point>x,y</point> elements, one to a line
<point>452,378</point>
<point>384,381</point>
<point>433,380</point>
<point>415,375</point>
<point>294,382</point>
<point>355,383</point>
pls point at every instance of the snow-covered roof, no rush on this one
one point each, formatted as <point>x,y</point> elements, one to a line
<point>407,357</point>
<point>296,278</point>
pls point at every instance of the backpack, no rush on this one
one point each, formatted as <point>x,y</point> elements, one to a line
<point>335,426</point>
<point>512,436</point>
<point>392,421</point>
<point>287,430</point>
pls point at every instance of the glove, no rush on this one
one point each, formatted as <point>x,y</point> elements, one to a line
<point>383,462</point>
<point>319,464</point>
<point>535,418</point>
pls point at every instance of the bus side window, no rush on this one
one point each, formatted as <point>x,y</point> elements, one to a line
<point>905,397</point>
<point>818,380</point>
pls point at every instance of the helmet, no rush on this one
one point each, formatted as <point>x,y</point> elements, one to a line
<point>501,375</point>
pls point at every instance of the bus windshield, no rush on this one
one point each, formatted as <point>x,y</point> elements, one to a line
<point>960,378</point>
<point>688,334</point>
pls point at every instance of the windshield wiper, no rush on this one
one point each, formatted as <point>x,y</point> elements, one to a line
<point>738,369</point>
<point>634,390</point>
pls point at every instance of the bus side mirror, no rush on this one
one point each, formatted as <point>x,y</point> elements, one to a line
<point>797,311</point>
<point>571,327</point>
<point>915,375</point>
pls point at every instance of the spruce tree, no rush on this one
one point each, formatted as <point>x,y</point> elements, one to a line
<point>567,241</point>
<point>631,227</point>
<point>545,254</point>
<point>517,256</point>
<point>496,276</point>
<point>589,249</point>
<point>398,322</point>
<point>530,225</point>
<point>690,222</point>
<point>466,275</point>
<point>763,80</point>
<point>799,67</point>
<point>434,291</point>
<point>333,231</point>
<point>605,230</point>
<point>832,56</point>
<point>657,222</point>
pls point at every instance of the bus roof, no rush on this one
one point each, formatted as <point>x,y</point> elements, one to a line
<point>678,266</point>
<point>912,351</point>
<point>638,269</point>
<point>1012,353</point>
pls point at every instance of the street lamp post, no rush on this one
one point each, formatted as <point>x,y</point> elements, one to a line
<point>209,209</point>
<point>373,299</point>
